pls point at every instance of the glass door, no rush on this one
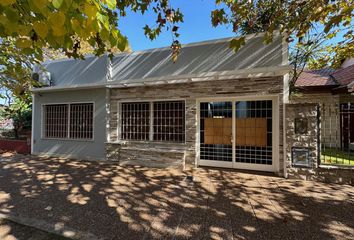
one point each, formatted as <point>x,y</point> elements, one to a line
<point>216,134</point>
<point>237,134</point>
<point>253,143</point>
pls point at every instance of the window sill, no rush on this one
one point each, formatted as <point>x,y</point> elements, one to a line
<point>151,146</point>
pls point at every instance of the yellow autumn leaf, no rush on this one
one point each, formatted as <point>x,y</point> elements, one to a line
<point>40,4</point>
<point>41,29</point>
<point>90,10</point>
<point>58,31</point>
<point>23,30</point>
<point>23,43</point>
<point>57,19</point>
<point>75,24</point>
<point>7,2</point>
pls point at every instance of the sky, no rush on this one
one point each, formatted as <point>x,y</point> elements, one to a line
<point>196,26</point>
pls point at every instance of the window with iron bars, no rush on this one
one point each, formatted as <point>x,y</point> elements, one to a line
<point>162,121</point>
<point>68,121</point>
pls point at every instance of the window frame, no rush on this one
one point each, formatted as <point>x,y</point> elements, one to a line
<point>43,137</point>
<point>151,108</point>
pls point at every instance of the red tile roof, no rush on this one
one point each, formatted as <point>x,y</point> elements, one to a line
<point>344,76</point>
<point>320,77</point>
<point>326,77</point>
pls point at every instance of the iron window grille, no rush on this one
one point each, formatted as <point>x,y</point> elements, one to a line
<point>162,121</point>
<point>135,121</point>
<point>68,121</point>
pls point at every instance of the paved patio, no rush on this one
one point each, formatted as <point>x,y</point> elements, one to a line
<point>113,202</point>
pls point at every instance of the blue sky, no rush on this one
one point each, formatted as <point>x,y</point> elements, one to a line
<point>196,26</point>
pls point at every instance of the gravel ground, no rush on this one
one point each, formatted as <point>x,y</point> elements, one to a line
<point>14,231</point>
<point>113,202</point>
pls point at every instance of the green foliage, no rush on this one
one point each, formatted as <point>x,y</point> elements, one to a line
<point>15,69</point>
<point>64,24</point>
<point>294,19</point>
<point>20,112</point>
<point>32,30</point>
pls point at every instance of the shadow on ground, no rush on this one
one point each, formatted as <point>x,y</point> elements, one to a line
<point>115,202</point>
<point>13,231</point>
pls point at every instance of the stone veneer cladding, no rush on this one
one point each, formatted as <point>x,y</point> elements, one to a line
<point>330,104</point>
<point>166,154</point>
<point>310,140</point>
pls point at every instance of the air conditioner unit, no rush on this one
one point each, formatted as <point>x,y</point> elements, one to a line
<point>42,77</point>
<point>45,78</point>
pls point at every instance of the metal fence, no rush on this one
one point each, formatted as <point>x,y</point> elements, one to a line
<point>336,124</point>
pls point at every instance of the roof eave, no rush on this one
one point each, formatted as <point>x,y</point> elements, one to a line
<point>68,88</point>
<point>209,76</point>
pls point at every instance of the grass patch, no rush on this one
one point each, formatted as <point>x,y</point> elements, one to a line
<point>336,156</point>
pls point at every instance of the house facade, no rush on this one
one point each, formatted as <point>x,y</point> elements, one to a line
<point>331,90</point>
<point>213,107</point>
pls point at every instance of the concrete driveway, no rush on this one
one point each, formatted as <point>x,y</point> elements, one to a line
<point>97,200</point>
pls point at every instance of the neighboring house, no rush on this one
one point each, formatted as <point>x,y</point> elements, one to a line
<point>213,107</point>
<point>331,89</point>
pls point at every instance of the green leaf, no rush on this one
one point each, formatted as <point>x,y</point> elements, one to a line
<point>104,20</point>
<point>122,43</point>
<point>57,3</point>
<point>237,43</point>
<point>111,4</point>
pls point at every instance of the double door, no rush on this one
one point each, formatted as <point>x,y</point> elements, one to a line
<point>237,133</point>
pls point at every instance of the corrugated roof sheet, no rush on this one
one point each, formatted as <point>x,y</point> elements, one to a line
<point>195,59</point>
<point>68,72</point>
<point>198,59</point>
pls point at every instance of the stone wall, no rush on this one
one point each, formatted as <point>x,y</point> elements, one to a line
<point>185,153</point>
<point>305,140</point>
<point>330,123</point>
<point>329,110</point>
<point>310,111</point>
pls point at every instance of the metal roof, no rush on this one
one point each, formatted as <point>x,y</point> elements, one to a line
<point>203,59</point>
<point>195,60</point>
<point>71,72</point>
